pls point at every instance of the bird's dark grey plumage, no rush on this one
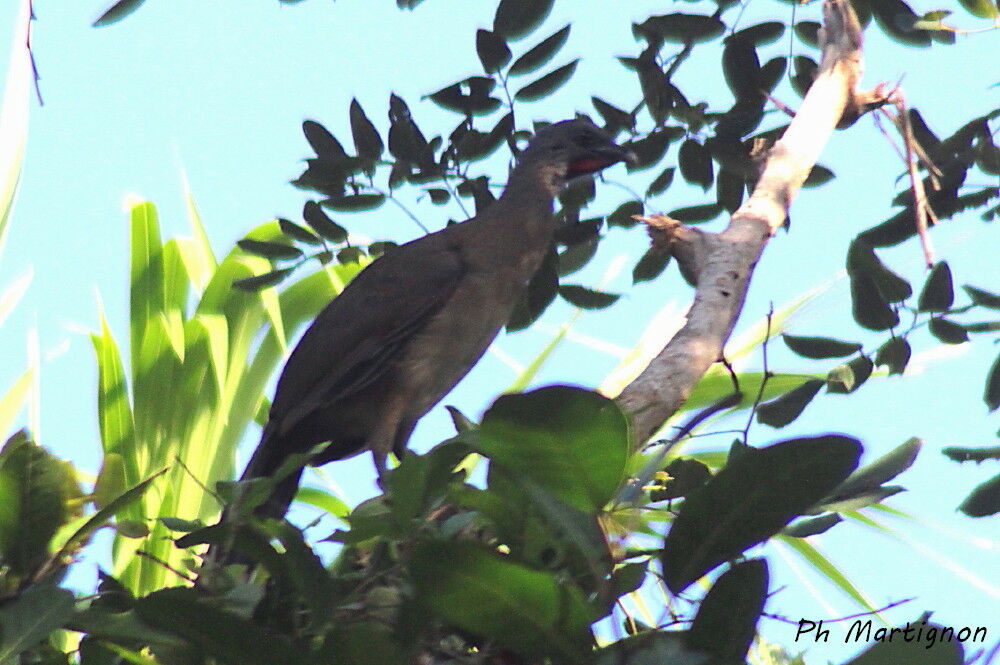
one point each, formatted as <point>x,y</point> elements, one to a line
<point>415,321</point>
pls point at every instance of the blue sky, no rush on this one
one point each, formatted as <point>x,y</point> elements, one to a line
<point>220,90</point>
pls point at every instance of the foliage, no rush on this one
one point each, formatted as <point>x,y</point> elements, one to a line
<point>535,564</point>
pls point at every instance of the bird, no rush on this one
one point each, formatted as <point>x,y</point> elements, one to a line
<point>413,323</point>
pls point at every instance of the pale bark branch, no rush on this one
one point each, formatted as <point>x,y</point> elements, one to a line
<point>723,263</point>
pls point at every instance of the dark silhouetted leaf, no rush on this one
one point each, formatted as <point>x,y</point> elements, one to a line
<point>876,474</point>
<point>984,500</point>
<point>805,72</point>
<point>938,293</point>
<point>31,617</point>
<point>470,97</point>
<point>947,331</point>
<point>547,84</point>
<point>992,394</point>
<point>323,142</point>
<point>772,72</point>
<point>650,149</point>
<point>697,214</point>
<point>899,652</point>
<point>982,297</point>
<point>541,53</point>
<point>296,232</point>
<point>319,222</point>
<point>406,141</point>
<point>761,34</point>
<point>439,196</point>
<point>541,292</point>
<point>117,12</point>
<point>894,354</point>
<point>812,526</point>
<point>516,18</point>
<point>615,119</point>
<point>622,216</point>
<point>492,50</point>
<point>269,250</point>
<point>785,409</point>
<point>258,282</point>
<point>847,378</point>
<point>741,67</point>
<point>820,347</point>
<point>862,260</point>
<point>819,175</point>
<point>678,28</point>
<point>576,256</point>
<point>897,20</point>
<point>752,498</point>
<point>868,307</point>
<point>585,298</point>
<point>808,32</point>
<point>661,182</point>
<point>686,476</point>
<point>354,202</point>
<point>657,92</point>
<point>366,139</point>
<point>349,255</point>
<point>696,164</point>
<point>574,443</point>
<point>726,622</point>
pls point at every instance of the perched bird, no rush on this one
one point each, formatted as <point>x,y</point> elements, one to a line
<point>415,321</point>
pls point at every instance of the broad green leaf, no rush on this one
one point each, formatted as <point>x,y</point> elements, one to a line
<point>367,141</point>
<point>32,617</point>
<point>820,347</point>
<point>492,50</point>
<point>216,331</point>
<point>726,621</point>
<point>114,412</point>
<point>540,54</point>
<point>323,500</point>
<point>196,252</point>
<point>487,594</point>
<point>984,500</point>
<point>12,401</point>
<point>572,442</point>
<point>146,292</point>
<point>517,18</point>
<point>547,84</point>
<point>788,407</point>
<point>938,293</point>
<point>752,498</point>
<point>110,480</point>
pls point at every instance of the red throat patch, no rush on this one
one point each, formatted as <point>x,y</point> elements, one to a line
<point>587,165</point>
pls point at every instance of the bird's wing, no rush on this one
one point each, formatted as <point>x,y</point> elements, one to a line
<point>354,339</point>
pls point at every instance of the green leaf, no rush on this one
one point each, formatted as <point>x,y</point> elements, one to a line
<point>650,266</point>
<point>323,142</point>
<point>318,220</point>
<point>269,250</point>
<point>686,476</point>
<point>547,84</point>
<point>584,298</point>
<point>982,297</point>
<point>487,594</point>
<point>992,394</point>
<point>938,293</point>
<point>805,73</point>
<point>897,20</point>
<point>223,635</point>
<point>812,526</point>
<point>894,354</point>
<point>875,474</point>
<point>296,232</point>
<point>820,347</point>
<point>752,498</point>
<point>819,175</point>
<point>868,307</point>
<point>984,500</point>
<point>697,214</point>
<point>726,622</point>
<point>661,182</point>
<point>367,141</point>
<point>847,378</point>
<point>115,13</point>
<point>572,442</point>
<point>761,34</point>
<point>469,96</point>
<point>516,18</point>
<point>623,214</point>
<point>651,149</point>
<point>695,162</point>
<point>862,260</point>
<point>32,617</point>
<point>902,652</point>
<point>492,50</point>
<point>258,282</point>
<point>947,331</point>
<point>354,202</point>
<point>541,53</point>
<point>808,32</point>
<point>679,28</point>
<point>788,407</point>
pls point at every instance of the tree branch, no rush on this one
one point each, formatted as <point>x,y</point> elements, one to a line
<point>722,263</point>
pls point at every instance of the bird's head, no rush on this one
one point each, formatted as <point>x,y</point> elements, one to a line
<point>573,148</point>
